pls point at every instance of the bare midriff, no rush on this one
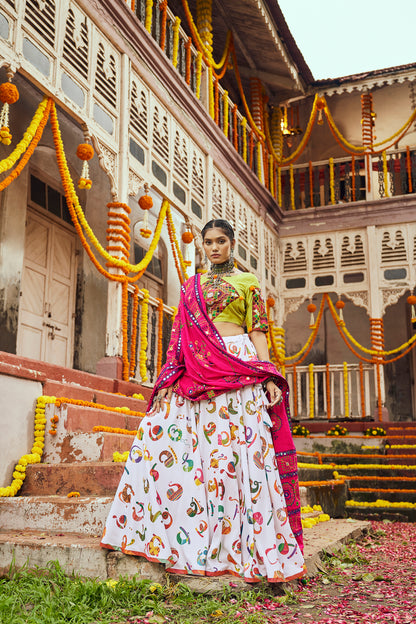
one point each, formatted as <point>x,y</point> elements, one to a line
<point>229,329</point>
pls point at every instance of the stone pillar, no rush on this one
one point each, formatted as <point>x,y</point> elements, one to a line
<point>111,364</point>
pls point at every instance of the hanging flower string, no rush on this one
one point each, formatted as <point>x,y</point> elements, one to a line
<point>143,334</point>
<point>85,152</point>
<point>346,392</point>
<point>9,94</point>
<point>311,391</point>
<point>159,336</point>
<point>134,331</point>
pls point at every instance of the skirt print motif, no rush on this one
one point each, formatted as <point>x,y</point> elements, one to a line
<point>201,493</point>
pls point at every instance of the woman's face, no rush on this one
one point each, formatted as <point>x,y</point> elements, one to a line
<point>217,246</point>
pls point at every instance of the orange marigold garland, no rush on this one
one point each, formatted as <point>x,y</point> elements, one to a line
<point>134,332</point>
<point>85,152</point>
<point>8,95</point>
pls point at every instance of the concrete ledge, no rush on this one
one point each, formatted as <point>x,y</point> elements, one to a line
<point>60,514</point>
<point>83,555</point>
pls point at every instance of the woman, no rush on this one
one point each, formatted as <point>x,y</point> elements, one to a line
<point>204,488</point>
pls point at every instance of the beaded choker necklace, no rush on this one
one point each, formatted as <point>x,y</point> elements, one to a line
<point>217,271</point>
<point>224,267</point>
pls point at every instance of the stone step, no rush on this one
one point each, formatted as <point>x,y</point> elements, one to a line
<point>326,473</point>
<point>110,399</point>
<point>87,478</point>
<point>81,447</point>
<point>81,554</point>
<point>76,418</point>
<point>394,495</point>
<point>395,514</point>
<point>76,553</point>
<point>386,482</point>
<point>46,371</point>
<point>84,515</point>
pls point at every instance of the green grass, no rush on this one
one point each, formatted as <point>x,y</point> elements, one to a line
<point>49,596</point>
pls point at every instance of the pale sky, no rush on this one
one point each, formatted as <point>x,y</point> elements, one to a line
<point>338,38</point>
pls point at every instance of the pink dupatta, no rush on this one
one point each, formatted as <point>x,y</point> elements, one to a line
<point>199,367</point>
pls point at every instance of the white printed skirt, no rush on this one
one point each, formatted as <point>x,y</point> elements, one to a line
<point>201,493</point>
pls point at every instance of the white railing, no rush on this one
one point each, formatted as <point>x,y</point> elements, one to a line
<point>329,398</point>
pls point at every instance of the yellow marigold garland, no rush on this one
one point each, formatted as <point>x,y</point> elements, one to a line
<point>385,175</point>
<point>311,391</point>
<point>148,16</point>
<point>72,198</point>
<point>120,457</point>
<point>225,112</point>
<point>346,393</point>
<point>21,147</point>
<point>198,75</point>
<point>35,455</point>
<point>175,43</point>
<point>159,336</point>
<point>331,181</point>
<point>143,334</point>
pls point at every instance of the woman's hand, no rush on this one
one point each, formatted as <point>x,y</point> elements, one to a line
<point>276,396</point>
<point>165,394</point>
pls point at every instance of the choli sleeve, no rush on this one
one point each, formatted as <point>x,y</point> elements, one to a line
<point>256,317</point>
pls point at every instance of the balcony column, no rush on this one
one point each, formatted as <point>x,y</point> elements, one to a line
<point>111,364</point>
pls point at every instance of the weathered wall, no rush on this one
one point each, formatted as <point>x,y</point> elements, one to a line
<point>17,408</point>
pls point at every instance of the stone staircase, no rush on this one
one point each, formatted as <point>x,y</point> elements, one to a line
<point>385,474</point>
<point>42,523</point>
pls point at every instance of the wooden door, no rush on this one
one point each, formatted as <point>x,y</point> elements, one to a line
<point>47,304</point>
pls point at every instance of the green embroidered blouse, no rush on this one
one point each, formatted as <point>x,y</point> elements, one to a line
<point>236,300</point>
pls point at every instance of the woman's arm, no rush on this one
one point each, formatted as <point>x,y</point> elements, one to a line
<point>259,340</point>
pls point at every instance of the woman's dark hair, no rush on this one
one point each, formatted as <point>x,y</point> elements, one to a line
<point>222,224</point>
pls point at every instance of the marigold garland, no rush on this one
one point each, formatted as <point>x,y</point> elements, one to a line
<point>148,16</point>
<point>176,248</point>
<point>75,209</point>
<point>385,175</point>
<point>99,428</point>
<point>346,390</point>
<point>120,457</point>
<point>134,331</point>
<point>198,73</point>
<point>175,42</point>
<point>331,181</point>
<point>311,391</point>
<point>143,334</point>
<point>35,456</point>
<point>27,144</point>
<point>159,336</point>
<point>225,113</point>
<point>380,503</point>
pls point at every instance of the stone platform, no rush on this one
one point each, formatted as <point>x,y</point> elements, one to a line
<point>81,554</point>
